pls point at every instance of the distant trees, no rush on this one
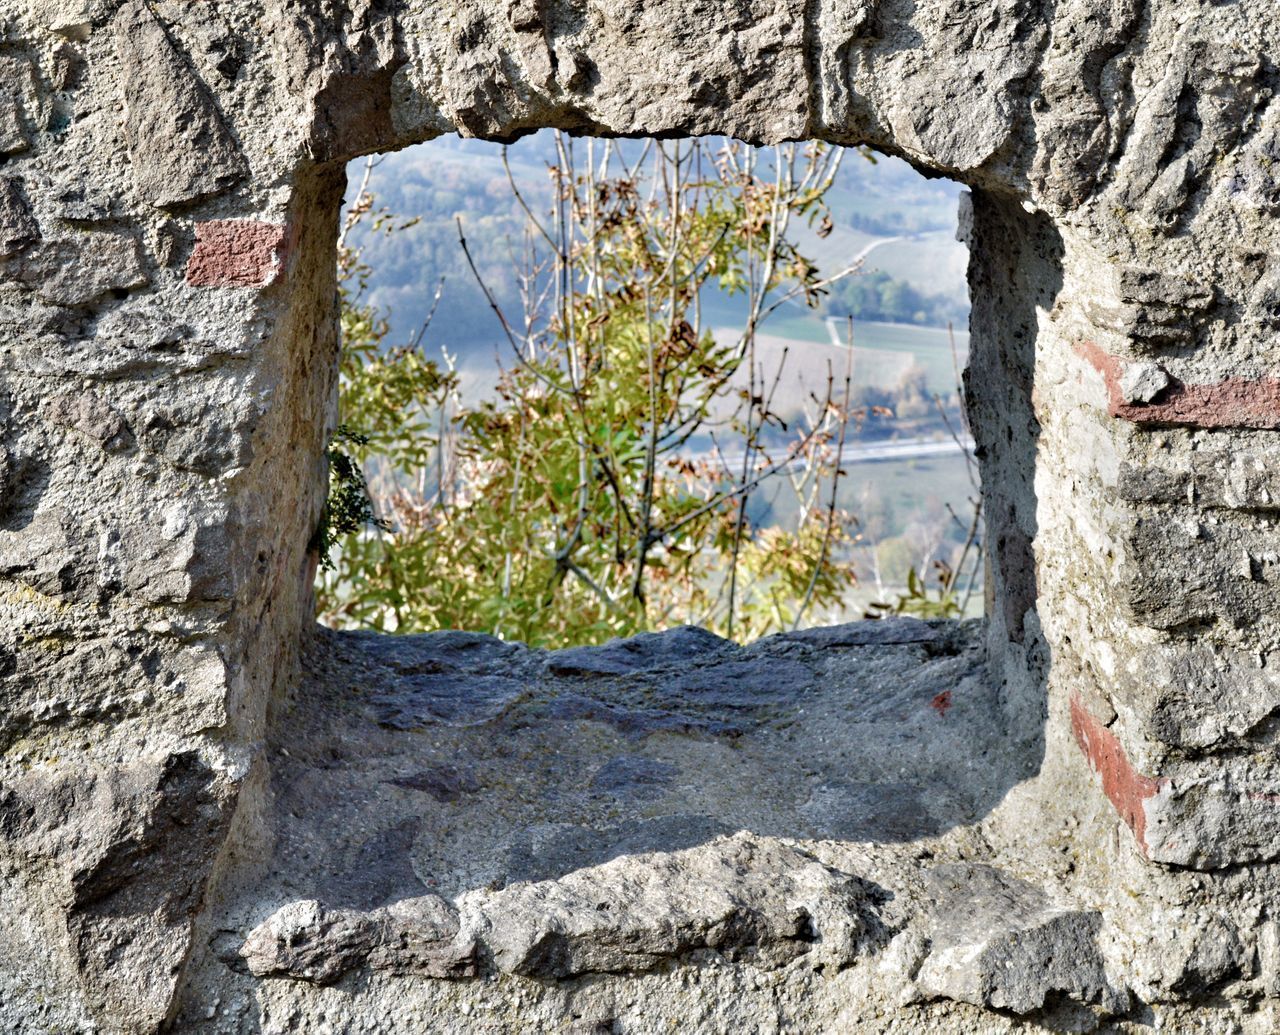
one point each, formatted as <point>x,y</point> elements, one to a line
<point>895,222</point>
<point>889,200</point>
<point>878,296</point>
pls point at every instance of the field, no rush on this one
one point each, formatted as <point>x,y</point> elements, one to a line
<point>883,352</point>
<point>933,260</point>
<point>887,348</point>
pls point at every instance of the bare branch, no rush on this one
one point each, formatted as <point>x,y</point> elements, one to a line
<point>835,483</point>
<point>506,327</point>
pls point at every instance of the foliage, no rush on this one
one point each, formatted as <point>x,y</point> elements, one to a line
<point>604,489</point>
<point>879,296</point>
<point>455,176</point>
<point>347,508</point>
<point>920,601</point>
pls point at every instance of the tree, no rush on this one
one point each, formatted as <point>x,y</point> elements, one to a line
<point>606,489</point>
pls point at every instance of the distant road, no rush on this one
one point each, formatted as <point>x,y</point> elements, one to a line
<point>831,322</point>
<point>873,245</point>
<point>899,449</point>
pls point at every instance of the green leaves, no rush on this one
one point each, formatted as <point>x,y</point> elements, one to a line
<point>348,508</point>
<point>922,601</point>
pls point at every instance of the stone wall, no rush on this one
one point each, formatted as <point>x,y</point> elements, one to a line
<point>170,179</point>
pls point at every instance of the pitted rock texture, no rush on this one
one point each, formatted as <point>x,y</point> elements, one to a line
<point>815,861</point>
<point>402,763</point>
<point>168,332</point>
<point>596,814</point>
<point>304,940</point>
<point>1002,942</point>
<point>740,898</point>
<point>236,253</point>
<point>180,149</point>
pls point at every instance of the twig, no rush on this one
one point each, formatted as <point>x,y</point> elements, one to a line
<point>506,327</point>
<point>969,540</point>
<point>835,482</point>
<point>773,468</point>
<point>610,604</point>
<point>435,304</point>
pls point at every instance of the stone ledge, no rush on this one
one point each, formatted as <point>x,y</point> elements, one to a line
<point>455,817</point>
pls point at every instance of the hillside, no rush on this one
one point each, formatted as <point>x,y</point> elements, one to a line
<point>908,222</point>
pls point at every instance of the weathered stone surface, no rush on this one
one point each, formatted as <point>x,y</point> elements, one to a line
<point>1142,382</point>
<point>633,777</point>
<point>180,148</point>
<point>1000,942</point>
<point>236,253</point>
<point>304,940</point>
<point>545,851</point>
<point>861,634</point>
<point>1128,790</point>
<point>208,436</point>
<point>516,818</point>
<point>17,92</point>
<point>622,657</point>
<point>93,417</point>
<point>13,136</point>
<point>1151,287</point>
<point>984,82</point>
<point>18,228</point>
<point>736,897</point>
<point>1233,402</point>
<point>871,811</point>
<point>79,269</point>
<point>126,851</point>
<point>1214,955</point>
<point>452,699</point>
<point>510,820</point>
<point>442,782</point>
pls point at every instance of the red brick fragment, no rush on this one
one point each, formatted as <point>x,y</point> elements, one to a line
<point>1126,788</point>
<point>941,702</point>
<point>237,253</point>
<point>1236,402</point>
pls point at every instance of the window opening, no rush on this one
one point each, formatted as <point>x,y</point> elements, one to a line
<point>591,388</point>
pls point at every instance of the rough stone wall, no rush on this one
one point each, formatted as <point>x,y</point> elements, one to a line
<point>170,175</point>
